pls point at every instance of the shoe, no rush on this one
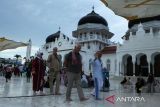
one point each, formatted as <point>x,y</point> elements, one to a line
<point>84,99</point>
<point>69,99</point>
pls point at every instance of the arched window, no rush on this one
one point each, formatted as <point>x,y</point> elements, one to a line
<point>108,63</point>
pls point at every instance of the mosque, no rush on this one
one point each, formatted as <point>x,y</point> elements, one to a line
<point>139,54</point>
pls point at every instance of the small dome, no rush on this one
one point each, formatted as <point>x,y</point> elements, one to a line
<point>93,18</point>
<point>51,38</point>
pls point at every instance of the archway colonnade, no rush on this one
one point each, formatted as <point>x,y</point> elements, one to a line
<point>140,64</point>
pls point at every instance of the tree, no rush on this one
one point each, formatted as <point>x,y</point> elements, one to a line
<point>17,56</point>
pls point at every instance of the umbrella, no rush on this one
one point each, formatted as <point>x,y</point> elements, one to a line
<point>134,9</point>
<point>10,44</point>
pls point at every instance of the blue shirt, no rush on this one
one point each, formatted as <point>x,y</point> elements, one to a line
<point>97,69</point>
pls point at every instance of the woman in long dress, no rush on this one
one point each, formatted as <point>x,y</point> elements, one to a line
<point>38,72</point>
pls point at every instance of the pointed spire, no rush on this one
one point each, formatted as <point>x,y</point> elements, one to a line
<point>140,25</point>
<point>140,29</point>
<point>30,40</point>
<point>59,28</point>
<point>151,31</point>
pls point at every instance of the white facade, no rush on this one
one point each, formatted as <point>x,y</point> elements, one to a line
<point>136,56</point>
<point>109,62</point>
<point>144,42</point>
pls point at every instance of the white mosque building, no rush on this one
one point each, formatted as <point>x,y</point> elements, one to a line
<point>138,55</point>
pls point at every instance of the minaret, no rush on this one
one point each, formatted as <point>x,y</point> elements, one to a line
<point>28,53</point>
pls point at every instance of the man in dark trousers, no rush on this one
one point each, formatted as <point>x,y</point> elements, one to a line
<point>73,64</point>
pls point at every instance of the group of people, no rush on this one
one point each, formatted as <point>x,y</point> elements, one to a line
<point>72,65</point>
<point>141,83</point>
<point>7,70</point>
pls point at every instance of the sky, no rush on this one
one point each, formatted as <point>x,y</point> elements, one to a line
<point>21,20</point>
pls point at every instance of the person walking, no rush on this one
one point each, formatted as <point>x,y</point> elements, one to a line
<point>97,75</point>
<point>150,83</point>
<point>54,64</point>
<point>38,72</point>
<point>28,68</point>
<point>73,65</point>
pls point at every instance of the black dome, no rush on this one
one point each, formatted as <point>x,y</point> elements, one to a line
<point>92,18</point>
<point>51,38</point>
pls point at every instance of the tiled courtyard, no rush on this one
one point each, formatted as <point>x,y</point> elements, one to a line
<point>18,93</point>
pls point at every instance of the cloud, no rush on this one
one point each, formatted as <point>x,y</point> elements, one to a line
<point>24,19</point>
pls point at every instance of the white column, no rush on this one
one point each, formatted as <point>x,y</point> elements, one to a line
<point>28,53</point>
<point>134,68</point>
<point>133,61</point>
<point>149,60</point>
<point>122,68</point>
<point>134,77</point>
<point>119,68</point>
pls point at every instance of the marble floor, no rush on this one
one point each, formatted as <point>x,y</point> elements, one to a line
<point>18,93</point>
